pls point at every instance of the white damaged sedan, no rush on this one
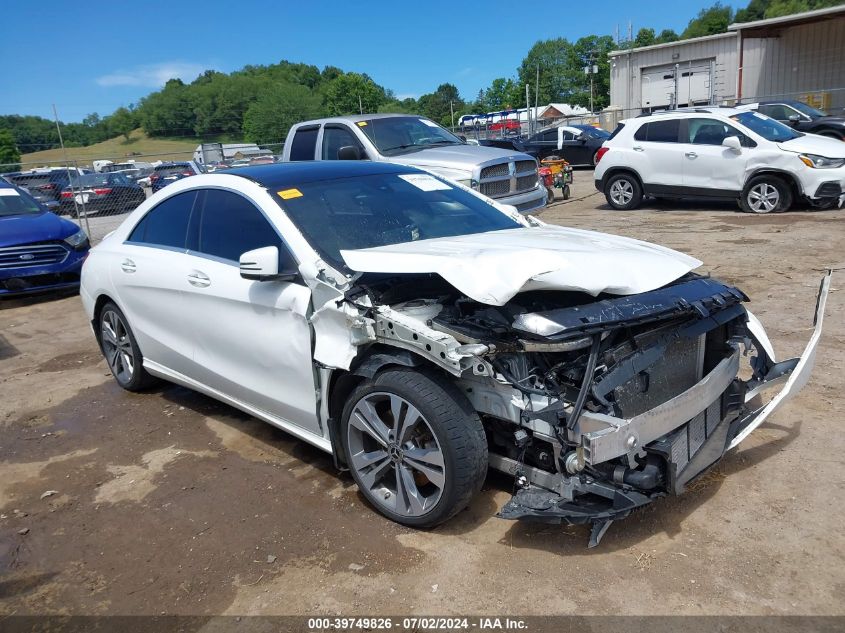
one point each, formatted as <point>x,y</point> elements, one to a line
<point>421,333</point>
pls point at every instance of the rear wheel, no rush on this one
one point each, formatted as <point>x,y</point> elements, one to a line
<point>833,134</point>
<point>766,194</point>
<point>414,445</point>
<point>121,350</point>
<point>623,192</point>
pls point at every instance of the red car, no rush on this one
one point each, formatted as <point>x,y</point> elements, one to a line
<point>508,125</point>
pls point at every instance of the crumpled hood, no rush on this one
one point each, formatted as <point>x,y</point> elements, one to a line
<point>815,144</point>
<point>462,157</point>
<point>34,227</point>
<point>493,267</point>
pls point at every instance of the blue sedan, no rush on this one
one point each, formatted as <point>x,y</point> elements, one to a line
<point>39,251</point>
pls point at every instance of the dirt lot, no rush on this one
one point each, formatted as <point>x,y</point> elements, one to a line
<point>168,502</point>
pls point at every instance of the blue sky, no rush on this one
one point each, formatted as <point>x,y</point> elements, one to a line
<point>90,56</point>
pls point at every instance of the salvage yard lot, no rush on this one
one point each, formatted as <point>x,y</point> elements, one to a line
<point>170,502</point>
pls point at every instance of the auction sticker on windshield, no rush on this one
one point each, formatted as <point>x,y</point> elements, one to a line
<point>8,192</point>
<point>425,182</point>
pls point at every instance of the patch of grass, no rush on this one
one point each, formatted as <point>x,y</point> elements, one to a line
<point>139,146</point>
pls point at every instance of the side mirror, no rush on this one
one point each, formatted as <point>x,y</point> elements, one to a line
<point>794,119</point>
<point>582,139</point>
<point>732,142</point>
<point>349,152</point>
<point>462,137</point>
<point>262,264</point>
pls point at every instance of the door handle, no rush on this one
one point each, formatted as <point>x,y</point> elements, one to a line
<point>128,266</point>
<point>198,279</point>
<point>691,155</point>
<point>638,148</point>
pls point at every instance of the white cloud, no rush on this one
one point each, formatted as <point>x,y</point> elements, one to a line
<point>406,95</point>
<point>153,75</point>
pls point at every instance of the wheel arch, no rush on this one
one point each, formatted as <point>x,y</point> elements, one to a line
<point>787,177</point>
<point>613,171</point>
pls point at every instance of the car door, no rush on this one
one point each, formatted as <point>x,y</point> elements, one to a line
<point>544,144</point>
<point>656,142</point>
<point>782,112</point>
<point>149,276</point>
<point>336,136</point>
<point>710,168</point>
<point>252,340</point>
<point>573,148</point>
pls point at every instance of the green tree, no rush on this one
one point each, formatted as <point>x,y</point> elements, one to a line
<point>645,37</point>
<point>123,121</point>
<point>10,157</point>
<point>503,94</point>
<point>667,35</point>
<point>439,105</point>
<point>350,93</point>
<point>277,108</point>
<point>553,58</point>
<point>709,21</point>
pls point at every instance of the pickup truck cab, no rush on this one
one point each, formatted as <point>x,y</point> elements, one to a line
<point>506,176</point>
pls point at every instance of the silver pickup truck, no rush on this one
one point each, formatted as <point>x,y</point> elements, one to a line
<point>507,177</point>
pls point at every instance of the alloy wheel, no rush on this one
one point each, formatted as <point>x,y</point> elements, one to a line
<point>395,454</point>
<point>117,348</point>
<point>763,198</point>
<point>621,192</point>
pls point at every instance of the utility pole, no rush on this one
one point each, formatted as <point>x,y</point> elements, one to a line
<point>452,110</point>
<point>528,109</point>
<point>360,104</point>
<point>67,167</point>
<point>591,69</point>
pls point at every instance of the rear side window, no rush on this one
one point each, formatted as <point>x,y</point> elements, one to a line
<point>231,225</point>
<point>659,131</point>
<point>304,142</point>
<point>166,224</point>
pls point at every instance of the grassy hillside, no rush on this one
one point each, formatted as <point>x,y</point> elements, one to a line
<point>140,147</point>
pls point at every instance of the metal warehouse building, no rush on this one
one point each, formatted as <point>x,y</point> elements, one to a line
<point>800,56</point>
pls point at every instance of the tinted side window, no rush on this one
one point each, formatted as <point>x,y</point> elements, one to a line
<point>659,131</point>
<point>568,136</point>
<point>550,136</point>
<point>776,111</point>
<point>166,224</point>
<point>619,127</point>
<point>231,225</point>
<point>335,137</point>
<point>304,142</point>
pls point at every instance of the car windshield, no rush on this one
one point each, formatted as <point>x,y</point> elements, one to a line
<point>173,169</point>
<point>766,127</point>
<point>810,111</point>
<point>383,209</point>
<point>597,132</point>
<point>14,202</point>
<point>402,134</point>
<point>90,180</point>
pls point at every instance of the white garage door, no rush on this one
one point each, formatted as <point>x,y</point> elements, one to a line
<point>658,84</point>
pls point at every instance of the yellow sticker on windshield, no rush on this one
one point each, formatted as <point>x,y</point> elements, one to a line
<point>287,194</point>
<point>362,123</point>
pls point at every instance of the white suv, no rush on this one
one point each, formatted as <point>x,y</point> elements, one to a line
<point>719,152</point>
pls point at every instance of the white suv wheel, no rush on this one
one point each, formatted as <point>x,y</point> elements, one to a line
<point>621,192</point>
<point>763,198</point>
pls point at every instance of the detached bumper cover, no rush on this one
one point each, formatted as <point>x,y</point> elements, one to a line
<point>697,428</point>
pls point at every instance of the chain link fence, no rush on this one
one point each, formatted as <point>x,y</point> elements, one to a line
<point>98,194</point>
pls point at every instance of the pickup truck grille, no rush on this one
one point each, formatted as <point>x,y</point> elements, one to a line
<point>506,179</point>
<point>31,255</point>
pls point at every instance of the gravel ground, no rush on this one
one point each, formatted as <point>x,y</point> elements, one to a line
<point>169,502</point>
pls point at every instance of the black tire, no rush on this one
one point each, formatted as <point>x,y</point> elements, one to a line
<point>623,192</point>
<point>452,422</point>
<point>566,192</point>
<point>550,195</point>
<point>766,194</point>
<point>137,379</point>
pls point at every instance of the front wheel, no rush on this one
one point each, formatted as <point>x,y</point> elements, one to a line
<point>766,194</point>
<point>414,445</point>
<point>623,192</point>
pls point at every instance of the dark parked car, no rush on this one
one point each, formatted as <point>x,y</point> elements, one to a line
<point>38,250</point>
<point>44,185</point>
<point>168,173</point>
<point>577,144</point>
<point>101,193</point>
<point>802,117</point>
